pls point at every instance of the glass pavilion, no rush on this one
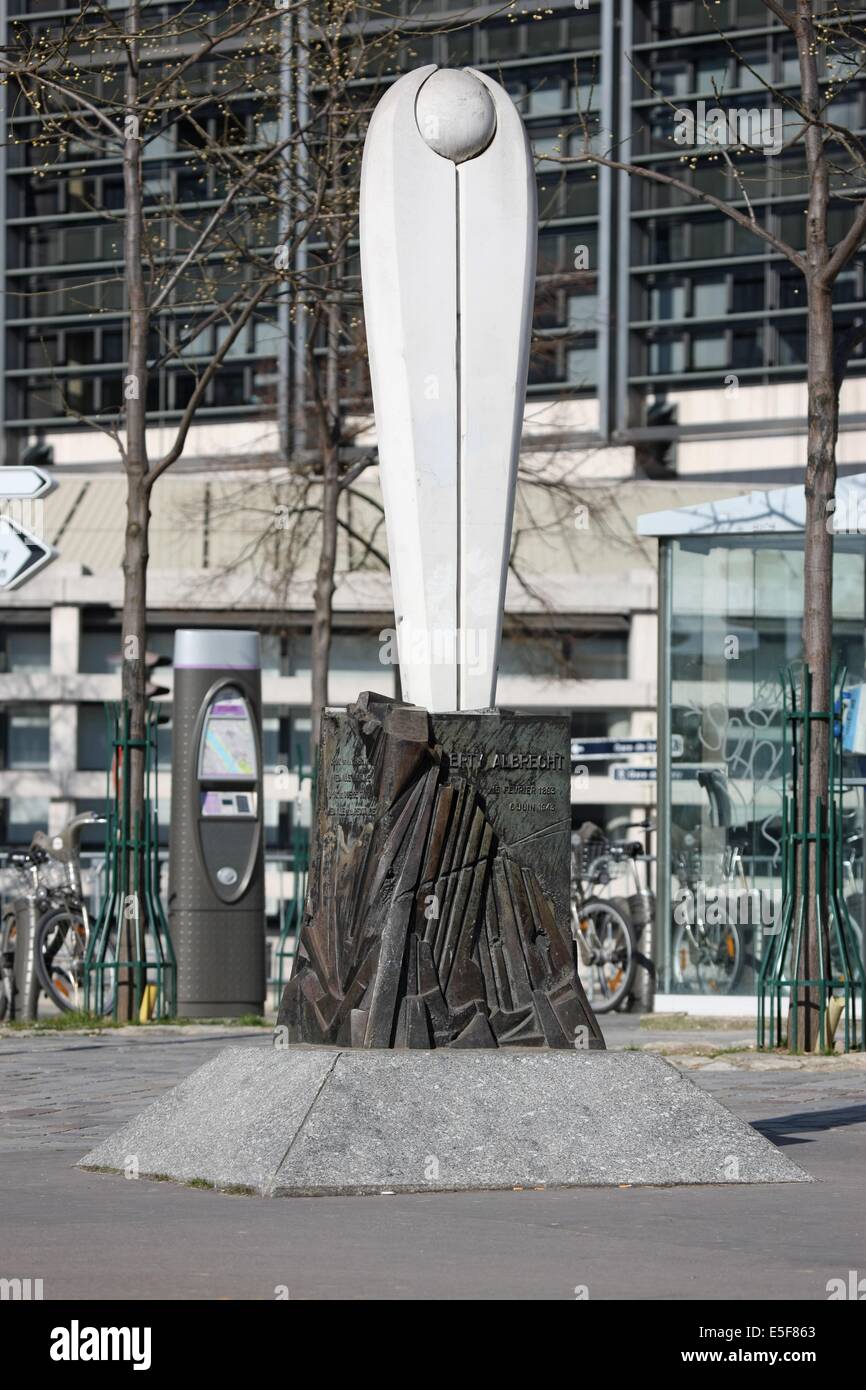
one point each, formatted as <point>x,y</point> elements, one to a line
<point>730,614</point>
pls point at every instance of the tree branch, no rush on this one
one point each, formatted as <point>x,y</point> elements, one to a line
<point>845,249</point>
<point>195,399</point>
<point>671,181</point>
<point>781,14</point>
<point>358,467</point>
<point>14,70</point>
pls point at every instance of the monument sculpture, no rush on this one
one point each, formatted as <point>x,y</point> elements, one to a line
<point>453,1047</point>
<point>438,901</point>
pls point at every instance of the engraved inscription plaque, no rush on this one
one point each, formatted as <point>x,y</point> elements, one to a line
<point>438,902</point>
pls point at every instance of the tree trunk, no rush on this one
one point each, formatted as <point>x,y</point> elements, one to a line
<point>329,442</point>
<point>134,643</point>
<point>818,539</point>
<point>820,488</point>
<point>324,590</point>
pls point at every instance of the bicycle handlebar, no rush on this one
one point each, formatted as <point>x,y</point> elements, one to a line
<point>20,858</point>
<point>625,849</point>
<point>26,858</point>
<point>64,847</point>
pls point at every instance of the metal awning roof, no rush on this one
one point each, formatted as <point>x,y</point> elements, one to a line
<point>780,509</point>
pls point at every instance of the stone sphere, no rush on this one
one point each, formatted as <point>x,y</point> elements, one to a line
<point>455,114</point>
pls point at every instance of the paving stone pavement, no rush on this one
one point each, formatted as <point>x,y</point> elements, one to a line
<point>97,1236</point>
<point>60,1089</point>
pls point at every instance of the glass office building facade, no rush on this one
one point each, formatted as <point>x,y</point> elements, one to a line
<point>64,310</point>
<point>693,297</point>
<point>706,297</point>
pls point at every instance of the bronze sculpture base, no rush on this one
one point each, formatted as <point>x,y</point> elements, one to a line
<point>438,910</point>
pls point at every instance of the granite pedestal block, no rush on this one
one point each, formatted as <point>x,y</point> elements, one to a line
<point>317,1120</point>
<point>438,905</point>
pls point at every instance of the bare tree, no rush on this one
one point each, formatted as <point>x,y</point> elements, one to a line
<point>117,85</point>
<point>830,42</point>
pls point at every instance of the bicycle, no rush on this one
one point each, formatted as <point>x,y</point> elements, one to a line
<point>605,939</point>
<point>63,932</point>
<point>20,981</point>
<point>852,888</point>
<point>7,964</point>
<point>51,915</point>
<point>707,956</point>
<point>641,909</point>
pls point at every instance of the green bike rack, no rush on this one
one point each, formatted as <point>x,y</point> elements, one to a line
<point>132,893</point>
<point>293,916</point>
<point>840,975</point>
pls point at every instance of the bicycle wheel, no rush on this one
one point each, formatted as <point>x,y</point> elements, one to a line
<point>854,905</point>
<point>706,960</point>
<point>21,997</point>
<point>605,953</point>
<point>26,984</point>
<point>7,967</point>
<point>61,941</point>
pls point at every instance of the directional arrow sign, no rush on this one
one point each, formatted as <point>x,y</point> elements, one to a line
<point>583,749</point>
<point>25,482</point>
<point>21,553</point>
<point>689,773</point>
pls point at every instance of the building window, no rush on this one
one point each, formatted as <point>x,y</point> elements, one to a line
<point>747,351</point>
<point>572,656</point>
<point>792,347</point>
<point>546,99</point>
<point>27,649</point>
<point>709,236</point>
<point>671,80</point>
<point>93,746</point>
<point>710,297</point>
<point>668,300</point>
<point>583,366</point>
<point>24,816</point>
<point>28,743</point>
<point>709,350</point>
<point>100,651</point>
<point>350,651</point>
<point>583,313</point>
<point>272,742</point>
<point>748,292</point>
<point>666,356</point>
<point>711,75</point>
<point>272,654</point>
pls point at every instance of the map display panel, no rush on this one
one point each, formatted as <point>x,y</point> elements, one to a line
<point>228,747</point>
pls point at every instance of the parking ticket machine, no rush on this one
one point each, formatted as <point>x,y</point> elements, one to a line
<point>216,859</point>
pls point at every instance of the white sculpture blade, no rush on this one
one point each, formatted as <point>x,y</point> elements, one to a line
<point>448,259</point>
<point>498,239</point>
<point>409,270</point>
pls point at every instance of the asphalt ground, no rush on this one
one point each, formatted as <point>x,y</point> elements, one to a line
<point>95,1236</point>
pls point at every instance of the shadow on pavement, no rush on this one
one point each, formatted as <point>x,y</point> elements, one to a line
<point>792,1129</point>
